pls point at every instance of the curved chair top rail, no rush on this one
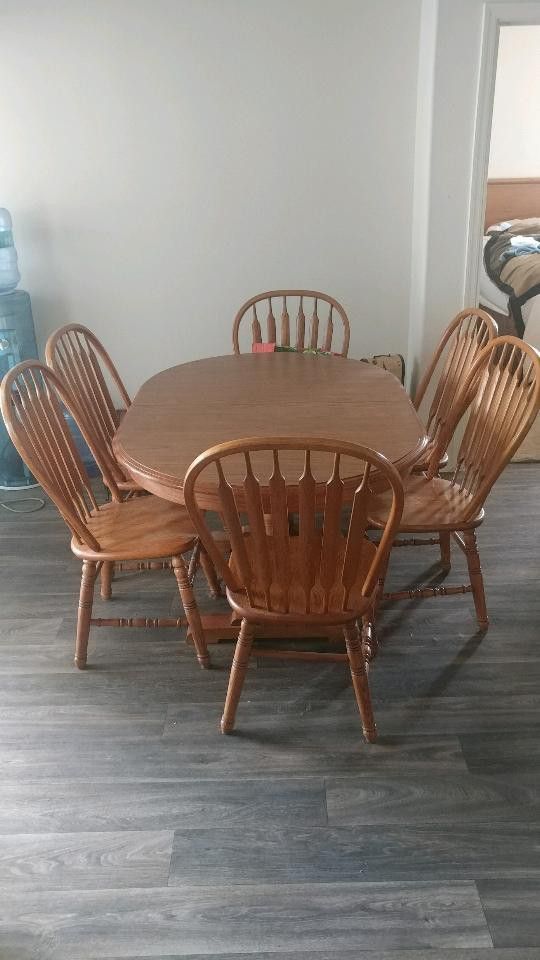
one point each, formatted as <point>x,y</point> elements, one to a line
<point>33,400</point>
<point>316,571</point>
<point>80,359</point>
<point>310,332</point>
<point>502,397</point>
<point>470,331</point>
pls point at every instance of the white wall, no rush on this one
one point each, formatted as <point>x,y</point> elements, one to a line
<point>515,132</point>
<point>455,98</point>
<point>457,62</point>
<point>165,159</point>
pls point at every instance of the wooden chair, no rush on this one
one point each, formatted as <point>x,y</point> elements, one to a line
<point>462,341</point>
<point>311,332</point>
<point>501,396</point>
<point>82,362</point>
<point>33,400</point>
<point>318,577</point>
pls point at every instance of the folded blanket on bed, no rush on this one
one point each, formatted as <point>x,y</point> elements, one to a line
<point>520,246</point>
<point>512,262</point>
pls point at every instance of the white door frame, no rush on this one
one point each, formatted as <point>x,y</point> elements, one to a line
<point>496,15</point>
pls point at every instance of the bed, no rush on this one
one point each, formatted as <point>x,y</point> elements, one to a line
<point>507,200</point>
<point>513,200</point>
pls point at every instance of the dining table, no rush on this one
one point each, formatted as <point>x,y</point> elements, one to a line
<point>184,410</point>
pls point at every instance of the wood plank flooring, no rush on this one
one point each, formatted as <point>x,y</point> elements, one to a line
<point>130,828</point>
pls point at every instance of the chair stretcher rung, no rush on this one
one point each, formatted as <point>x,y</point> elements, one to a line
<point>421,593</point>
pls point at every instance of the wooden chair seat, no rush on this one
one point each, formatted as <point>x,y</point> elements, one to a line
<point>146,526</point>
<point>430,504</point>
<point>317,611</point>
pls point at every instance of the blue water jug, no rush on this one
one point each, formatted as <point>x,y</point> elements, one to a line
<point>17,342</point>
<point>9,270</point>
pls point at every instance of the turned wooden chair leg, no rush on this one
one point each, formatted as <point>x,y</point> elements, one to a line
<point>208,569</point>
<point>360,681</point>
<point>107,574</point>
<point>86,599</point>
<point>444,537</point>
<point>379,590</point>
<point>192,611</point>
<point>370,643</point>
<point>194,561</point>
<point>476,578</point>
<point>237,676</point>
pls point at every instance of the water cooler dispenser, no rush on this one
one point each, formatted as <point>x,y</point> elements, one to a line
<point>17,342</point>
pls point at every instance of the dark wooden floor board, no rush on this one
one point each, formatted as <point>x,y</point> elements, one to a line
<point>455,678</point>
<point>337,720</point>
<point>64,861</point>
<point>503,753</point>
<point>459,715</point>
<point>302,917</point>
<point>439,798</point>
<point>78,722</point>
<point>270,854</point>
<point>179,681</point>
<point>519,953</point>
<point>22,631</point>
<point>56,806</point>
<point>512,910</point>
<point>214,757</point>
<point>104,772</point>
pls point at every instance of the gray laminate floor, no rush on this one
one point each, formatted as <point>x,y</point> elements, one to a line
<point>129,827</point>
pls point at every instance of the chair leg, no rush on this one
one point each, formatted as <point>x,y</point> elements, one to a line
<point>379,590</point>
<point>444,537</point>
<point>477,580</point>
<point>210,574</point>
<point>86,599</point>
<point>107,574</point>
<point>194,562</point>
<point>370,643</point>
<point>237,676</point>
<point>192,611</point>
<point>360,681</point>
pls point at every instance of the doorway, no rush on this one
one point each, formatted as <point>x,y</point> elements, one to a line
<point>509,267</point>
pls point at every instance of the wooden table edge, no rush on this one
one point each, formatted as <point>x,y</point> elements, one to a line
<point>170,488</point>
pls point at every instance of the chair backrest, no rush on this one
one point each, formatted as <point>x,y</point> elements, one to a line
<point>300,326</point>
<point>463,339</point>
<point>81,361</point>
<point>501,396</point>
<point>33,401</point>
<point>314,571</point>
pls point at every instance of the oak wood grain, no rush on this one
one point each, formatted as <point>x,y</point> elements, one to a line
<point>237,397</point>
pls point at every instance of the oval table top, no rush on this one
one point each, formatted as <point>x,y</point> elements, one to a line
<point>179,413</point>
